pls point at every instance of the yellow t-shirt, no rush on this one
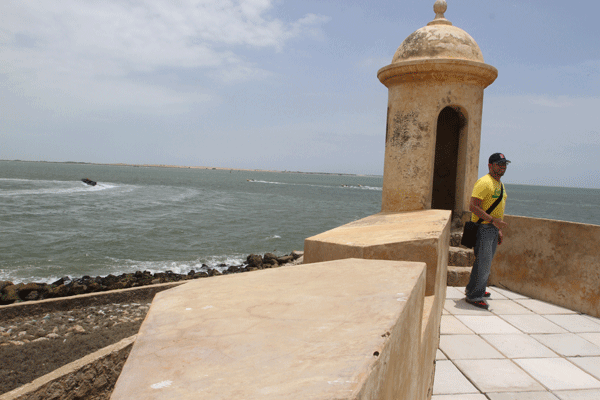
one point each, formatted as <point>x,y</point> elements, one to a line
<point>488,190</point>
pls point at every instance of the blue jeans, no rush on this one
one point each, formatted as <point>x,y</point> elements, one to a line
<point>485,248</point>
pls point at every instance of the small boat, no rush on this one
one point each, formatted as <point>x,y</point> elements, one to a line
<point>89,181</point>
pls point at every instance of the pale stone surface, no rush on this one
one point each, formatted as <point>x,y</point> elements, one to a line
<point>558,374</point>
<point>440,356</point>
<point>542,307</point>
<point>533,324</point>
<point>568,344</point>
<point>451,325</point>
<point>309,331</point>
<point>591,394</point>
<point>505,307</point>
<point>507,293</point>
<point>522,396</point>
<point>455,293</point>
<point>498,294</point>
<point>486,324</point>
<point>449,380</point>
<point>518,346</point>
<point>497,376</point>
<point>589,364</point>
<point>554,261</point>
<point>591,337</point>
<point>459,397</point>
<point>575,323</point>
<point>467,347</point>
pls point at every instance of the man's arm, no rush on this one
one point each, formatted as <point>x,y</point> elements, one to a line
<point>475,208</point>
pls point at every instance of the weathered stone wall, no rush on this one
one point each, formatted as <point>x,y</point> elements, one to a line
<point>554,261</point>
<point>92,377</point>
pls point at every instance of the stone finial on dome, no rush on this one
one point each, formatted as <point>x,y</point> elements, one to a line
<point>440,8</point>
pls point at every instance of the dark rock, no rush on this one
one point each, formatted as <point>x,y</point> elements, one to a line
<point>254,261</point>
<point>33,295</point>
<point>61,281</point>
<point>296,254</point>
<point>284,259</point>
<point>11,293</point>
<point>4,284</point>
<point>270,258</point>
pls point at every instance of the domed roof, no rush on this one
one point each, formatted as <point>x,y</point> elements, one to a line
<point>438,40</point>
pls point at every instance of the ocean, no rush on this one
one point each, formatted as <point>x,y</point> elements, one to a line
<point>159,218</point>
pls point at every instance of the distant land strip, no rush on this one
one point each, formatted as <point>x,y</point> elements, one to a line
<point>195,167</point>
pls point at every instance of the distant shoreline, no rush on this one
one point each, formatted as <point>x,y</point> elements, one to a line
<point>195,167</point>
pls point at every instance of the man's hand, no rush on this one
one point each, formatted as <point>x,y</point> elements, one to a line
<point>498,223</point>
<point>500,237</point>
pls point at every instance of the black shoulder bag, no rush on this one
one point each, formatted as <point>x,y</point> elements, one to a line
<point>469,236</point>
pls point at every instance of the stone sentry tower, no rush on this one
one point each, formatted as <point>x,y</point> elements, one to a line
<point>435,101</point>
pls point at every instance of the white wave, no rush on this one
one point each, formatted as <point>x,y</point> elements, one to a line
<point>315,185</point>
<point>55,188</point>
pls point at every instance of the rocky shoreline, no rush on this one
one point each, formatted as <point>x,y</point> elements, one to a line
<point>34,345</point>
<point>13,293</point>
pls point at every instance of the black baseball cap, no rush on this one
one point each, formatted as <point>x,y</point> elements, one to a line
<point>498,157</point>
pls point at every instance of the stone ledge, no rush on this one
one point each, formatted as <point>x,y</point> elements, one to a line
<point>344,329</point>
<point>91,377</point>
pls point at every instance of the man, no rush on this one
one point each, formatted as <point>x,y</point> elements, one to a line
<point>485,193</point>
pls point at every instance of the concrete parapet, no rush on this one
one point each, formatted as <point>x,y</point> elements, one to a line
<point>344,329</point>
<point>91,377</point>
<point>554,261</point>
<point>410,236</point>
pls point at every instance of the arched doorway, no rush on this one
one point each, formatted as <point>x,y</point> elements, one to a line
<point>450,124</point>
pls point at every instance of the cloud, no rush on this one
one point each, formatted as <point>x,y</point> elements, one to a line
<point>47,45</point>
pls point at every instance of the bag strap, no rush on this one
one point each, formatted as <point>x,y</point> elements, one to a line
<point>493,206</point>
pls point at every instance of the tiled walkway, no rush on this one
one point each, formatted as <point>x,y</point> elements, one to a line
<point>521,349</point>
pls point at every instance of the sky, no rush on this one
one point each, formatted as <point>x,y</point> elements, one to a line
<point>285,84</point>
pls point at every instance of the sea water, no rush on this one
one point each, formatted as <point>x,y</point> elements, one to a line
<point>158,218</point>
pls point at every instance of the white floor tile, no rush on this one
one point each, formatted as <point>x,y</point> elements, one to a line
<point>542,308</point>
<point>487,324</point>
<point>497,376</point>
<point>459,397</point>
<point>449,380</point>
<point>496,295</point>
<point>533,324</point>
<point>440,356</point>
<point>519,346</point>
<point>575,323</point>
<point>501,307</point>
<point>455,292</point>
<point>558,373</point>
<point>568,344</point>
<point>593,319</point>
<point>507,293</point>
<point>592,394</point>
<point>522,396</point>
<point>465,347</point>
<point>591,365</point>
<point>461,307</point>
<point>450,325</point>
<point>591,337</point>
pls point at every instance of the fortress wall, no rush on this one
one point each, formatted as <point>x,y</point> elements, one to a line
<point>553,261</point>
<point>409,236</point>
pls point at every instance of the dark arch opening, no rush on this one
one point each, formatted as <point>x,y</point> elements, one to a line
<point>450,123</point>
